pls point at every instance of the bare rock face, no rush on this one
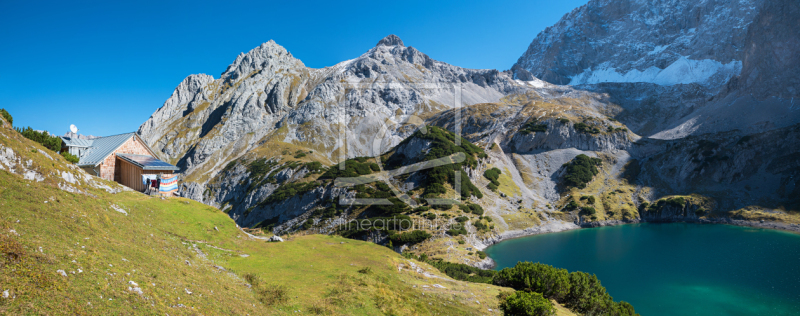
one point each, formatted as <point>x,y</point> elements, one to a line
<point>207,119</point>
<point>187,96</point>
<point>757,169</point>
<point>662,42</point>
<point>679,68</point>
<point>564,136</point>
<point>771,49</point>
<point>391,40</point>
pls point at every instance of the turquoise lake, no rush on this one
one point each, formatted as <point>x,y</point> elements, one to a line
<point>676,268</point>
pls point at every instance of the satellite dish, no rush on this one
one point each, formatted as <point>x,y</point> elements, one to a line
<point>73,128</point>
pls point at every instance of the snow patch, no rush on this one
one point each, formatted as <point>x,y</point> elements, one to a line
<point>535,83</point>
<point>682,71</point>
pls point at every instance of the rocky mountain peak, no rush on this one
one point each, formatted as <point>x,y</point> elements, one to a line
<point>266,55</point>
<point>661,42</point>
<point>70,134</point>
<point>391,40</point>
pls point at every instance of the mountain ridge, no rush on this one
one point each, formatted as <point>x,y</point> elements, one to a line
<point>257,141</point>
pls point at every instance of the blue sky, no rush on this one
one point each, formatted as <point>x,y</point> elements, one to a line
<point>107,66</point>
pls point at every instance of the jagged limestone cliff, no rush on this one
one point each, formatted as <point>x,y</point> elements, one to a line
<point>262,142</point>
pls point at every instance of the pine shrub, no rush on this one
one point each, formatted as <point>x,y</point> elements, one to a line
<point>7,116</point>
<point>70,157</point>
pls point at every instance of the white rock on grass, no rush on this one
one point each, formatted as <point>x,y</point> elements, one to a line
<point>62,273</point>
<point>275,239</point>
<point>68,177</point>
<point>119,209</point>
<point>45,154</point>
<point>33,175</point>
<point>135,289</point>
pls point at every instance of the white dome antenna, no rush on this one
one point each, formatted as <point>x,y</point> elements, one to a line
<point>73,128</point>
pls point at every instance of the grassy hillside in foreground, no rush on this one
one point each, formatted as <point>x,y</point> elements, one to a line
<point>68,248</point>
<point>175,246</point>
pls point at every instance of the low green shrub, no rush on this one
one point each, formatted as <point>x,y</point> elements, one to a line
<point>471,208</point>
<point>533,126</point>
<point>289,190</point>
<point>7,116</point>
<point>571,205</point>
<point>493,175</point>
<point>585,128</point>
<point>676,202</point>
<point>458,271</point>
<point>70,157</point>
<point>523,303</point>
<point>700,211</point>
<point>580,171</point>
<point>421,209</point>
<point>352,168</point>
<point>409,238</point>
<point>457,231</point>
<point>579,291</point>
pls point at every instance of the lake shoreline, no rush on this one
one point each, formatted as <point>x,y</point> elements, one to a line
<point>489,264</point>
<point>679,267</point>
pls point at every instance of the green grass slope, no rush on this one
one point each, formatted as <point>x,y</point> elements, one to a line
<point>176,256</point>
